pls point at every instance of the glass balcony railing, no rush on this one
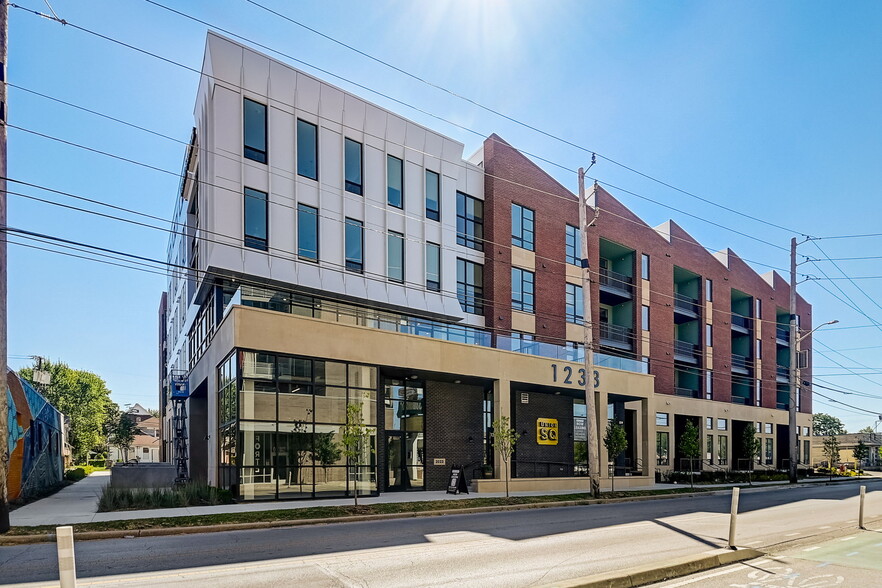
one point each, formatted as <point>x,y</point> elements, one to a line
<point>685,303</point>
<point>741,321</point>
<point>687,392</point>
<point>740,362</point>
<point>685,348</point>
<point>782,372</point>
<point>782,334</point>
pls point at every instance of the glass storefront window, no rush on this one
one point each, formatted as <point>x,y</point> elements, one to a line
<point>662,443</point>
<point>257,400</point>
<point>363,376</point>
<point>330,404</point>
<point>330,372</point>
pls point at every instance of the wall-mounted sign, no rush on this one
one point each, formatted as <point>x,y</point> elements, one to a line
<point>565,374</point>
<point>439,461</point>
<point>180,387</point>
<point>546,431</point>
<point>525,398</point>
<point>580,429</point>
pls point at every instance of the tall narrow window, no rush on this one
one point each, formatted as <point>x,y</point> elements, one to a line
<point>574,304</point>
<point>759,308</point>
<point>469,221</point>
<point>354,166</point>
<point>433,191</point>
<point>709,449</point>
<point>759,349</point>
<point>662,442</point>
<point>709,385</point>
<point>723,450</point>
<point>709,290</point>
<point>307,232</point>
<point>521,290</point>
<point>759,392</point>
<point>644,266</point>
<point>433,267</point>
<point>470,286</point>
<point>522,226</point>
<point>709,335</point>
<point>255,130</point>
<point>394,181</point>
<point>395,256</point>
<point>644,317</point>
<point>307,149</point>
<point>255,219</point>
<point>354,245</point>
<point>770,446</point>
<point>573,246</point>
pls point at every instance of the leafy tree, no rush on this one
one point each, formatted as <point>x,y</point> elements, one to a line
<point>861,452</point>
<point>82,396</point>
<point>616,441</point>
<point>690,447</point>
<point>120,431</point>
<point>356,438</point>
<point>867,429</point>
<point>825,424</point>
<point>504,440</point>
<point>327,451</point>
<point>831,452</point>
<point>753,447</point>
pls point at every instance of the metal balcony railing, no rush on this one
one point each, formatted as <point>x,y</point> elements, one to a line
<point>685,348</point>
<point>740,362</point>
<point>616,280</point>
<point>782,334</point>
<point>741,321</point>
<point>687,392</point>
<point>616,333</point>
<point>782,372</point>
<point>687,303</point>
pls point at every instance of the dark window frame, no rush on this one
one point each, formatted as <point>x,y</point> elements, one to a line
<point>389,236</point>
<point>249,151</point>
<point>301,164</point>
<point>469,224</point>
<point>350,185</point>
<point>470,295</point>
<point>352,264</point>
<point>574,304</point>
<point>573,251</point>
<point>433,213</point>
<point>256,241</point>
<point>433,285</point>
<point>303,252</point>
<point>389,188</point>
<point>524,297</point>
<point>523,227</point>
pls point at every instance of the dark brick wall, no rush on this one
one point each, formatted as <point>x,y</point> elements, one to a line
<point>528,450</point>
<point>454,412</point>
<point>511,177</point>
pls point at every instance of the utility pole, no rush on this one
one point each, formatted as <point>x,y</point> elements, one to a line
<point>794,364</point>
<point>4,409</point>
<point>587,342</point>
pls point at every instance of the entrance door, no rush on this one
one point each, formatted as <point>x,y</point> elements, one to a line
<point>404,463</point>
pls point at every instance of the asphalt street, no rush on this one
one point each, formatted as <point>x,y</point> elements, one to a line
<point>520,548</point>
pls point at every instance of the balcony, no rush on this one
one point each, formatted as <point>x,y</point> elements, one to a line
<point>740,400</point>
<point>686,352</point>
<point>741,324</point>
<point>616,336</point>
<point>687,392</point>
<point>782,335</point>
<point>782,374</point>
<point>741,364</point>
<point>615,288</point>
<point>686,308</point>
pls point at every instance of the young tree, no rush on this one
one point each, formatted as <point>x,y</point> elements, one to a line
<point>753,447</point>
<point>616,441</point>
<point>831,452</point>
<point>825,424</point>
<point>356,441</point>
<point>690,447</point>
<point>121,432</point>
<point>861,452</point>
<point>504,440</point>
<point>867,429</point>
<point>327,451</point>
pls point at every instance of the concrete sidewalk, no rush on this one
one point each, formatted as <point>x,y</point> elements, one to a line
<point>78,503</point>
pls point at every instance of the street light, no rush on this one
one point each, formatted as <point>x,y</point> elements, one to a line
<point>795,340</point>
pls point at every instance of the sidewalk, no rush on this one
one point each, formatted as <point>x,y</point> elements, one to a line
<point>78,503</point>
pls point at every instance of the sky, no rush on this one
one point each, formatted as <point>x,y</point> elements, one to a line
<point>723,111</point>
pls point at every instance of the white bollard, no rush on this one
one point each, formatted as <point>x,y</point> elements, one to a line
<point>67,568</point>
<point>861,511</point>
<point>733,516</point>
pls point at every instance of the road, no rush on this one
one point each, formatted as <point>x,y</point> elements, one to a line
<point>520,548</point>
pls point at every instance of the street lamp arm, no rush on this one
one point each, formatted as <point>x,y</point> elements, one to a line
<point>804,335</point>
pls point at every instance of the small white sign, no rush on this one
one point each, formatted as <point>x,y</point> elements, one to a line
<point>580,429</point>
<point>439,461</point>
<point>525,398</point>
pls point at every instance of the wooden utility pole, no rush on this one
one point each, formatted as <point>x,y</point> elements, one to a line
<point>4,408</point>
<point>587,341</point>
<point>794,365</point>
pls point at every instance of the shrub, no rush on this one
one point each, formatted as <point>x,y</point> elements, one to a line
<point>75,474</point>
<point>191,494</point>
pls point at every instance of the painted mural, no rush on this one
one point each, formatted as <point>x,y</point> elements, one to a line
<point>35,440</point>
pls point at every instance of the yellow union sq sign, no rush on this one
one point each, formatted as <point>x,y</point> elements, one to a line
<point>546,431</point>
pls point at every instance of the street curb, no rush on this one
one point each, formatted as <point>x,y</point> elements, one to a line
<point>194,529</point>
<point>653,572</point>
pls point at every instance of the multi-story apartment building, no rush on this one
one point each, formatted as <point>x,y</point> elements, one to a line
<point>331,253</point>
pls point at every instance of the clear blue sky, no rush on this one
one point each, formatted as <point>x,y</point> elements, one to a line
<point>768,108</point>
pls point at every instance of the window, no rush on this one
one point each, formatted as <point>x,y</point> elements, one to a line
<point>709,290</point>
<point>769,450</point>
<point>255,130</point>
<point>354,166</point>
<point>644,317</point>
<point>574,246</point>
<point>522,226</point>
<point>433,191</point>
<point>709,335</point>
<point>470,286</point>
<point>759,392</point>
<point>806,451</point>
<point>521,290</point>
<point>395,256</point>
<point>768,428</point>
<point>307,149</point>
<point>709,423</point>
<point>709,385</point>
<point>255,219</point>
<point>307,232</point>
<point>469,221</point>
<point>709,449</point>
<point>759,349</point>
<point>433,267</point>
<point>723,450</point>
<point>805,432</point>
<point>759,308</point>
<point>662,445</point>
<point>522,342</point>
<point>354,245</point>
<point>644,266</point>
<point>574,304</point>
<point>394,181</point>
<point>661,419</point>
<point>722,424</point>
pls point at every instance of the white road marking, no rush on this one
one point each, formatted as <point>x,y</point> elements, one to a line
<point>812,548</point>
<point>791,534</point>
<point>825,527</point>
<point>735,568</point>
<point>852,553</point>
<point>847,538</point>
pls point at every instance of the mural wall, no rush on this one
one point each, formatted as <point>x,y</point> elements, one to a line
<point>35,440</point>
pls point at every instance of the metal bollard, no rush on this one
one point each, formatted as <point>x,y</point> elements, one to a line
<point>861,511</point>
<point>67,569</point>
<point>733,516</point>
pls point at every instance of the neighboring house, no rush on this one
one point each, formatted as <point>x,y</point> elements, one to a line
<point>847,443</point>
<point>146,446</point>
<point>341,254</point>
<point>138,413</point>
<point>36,440</point>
